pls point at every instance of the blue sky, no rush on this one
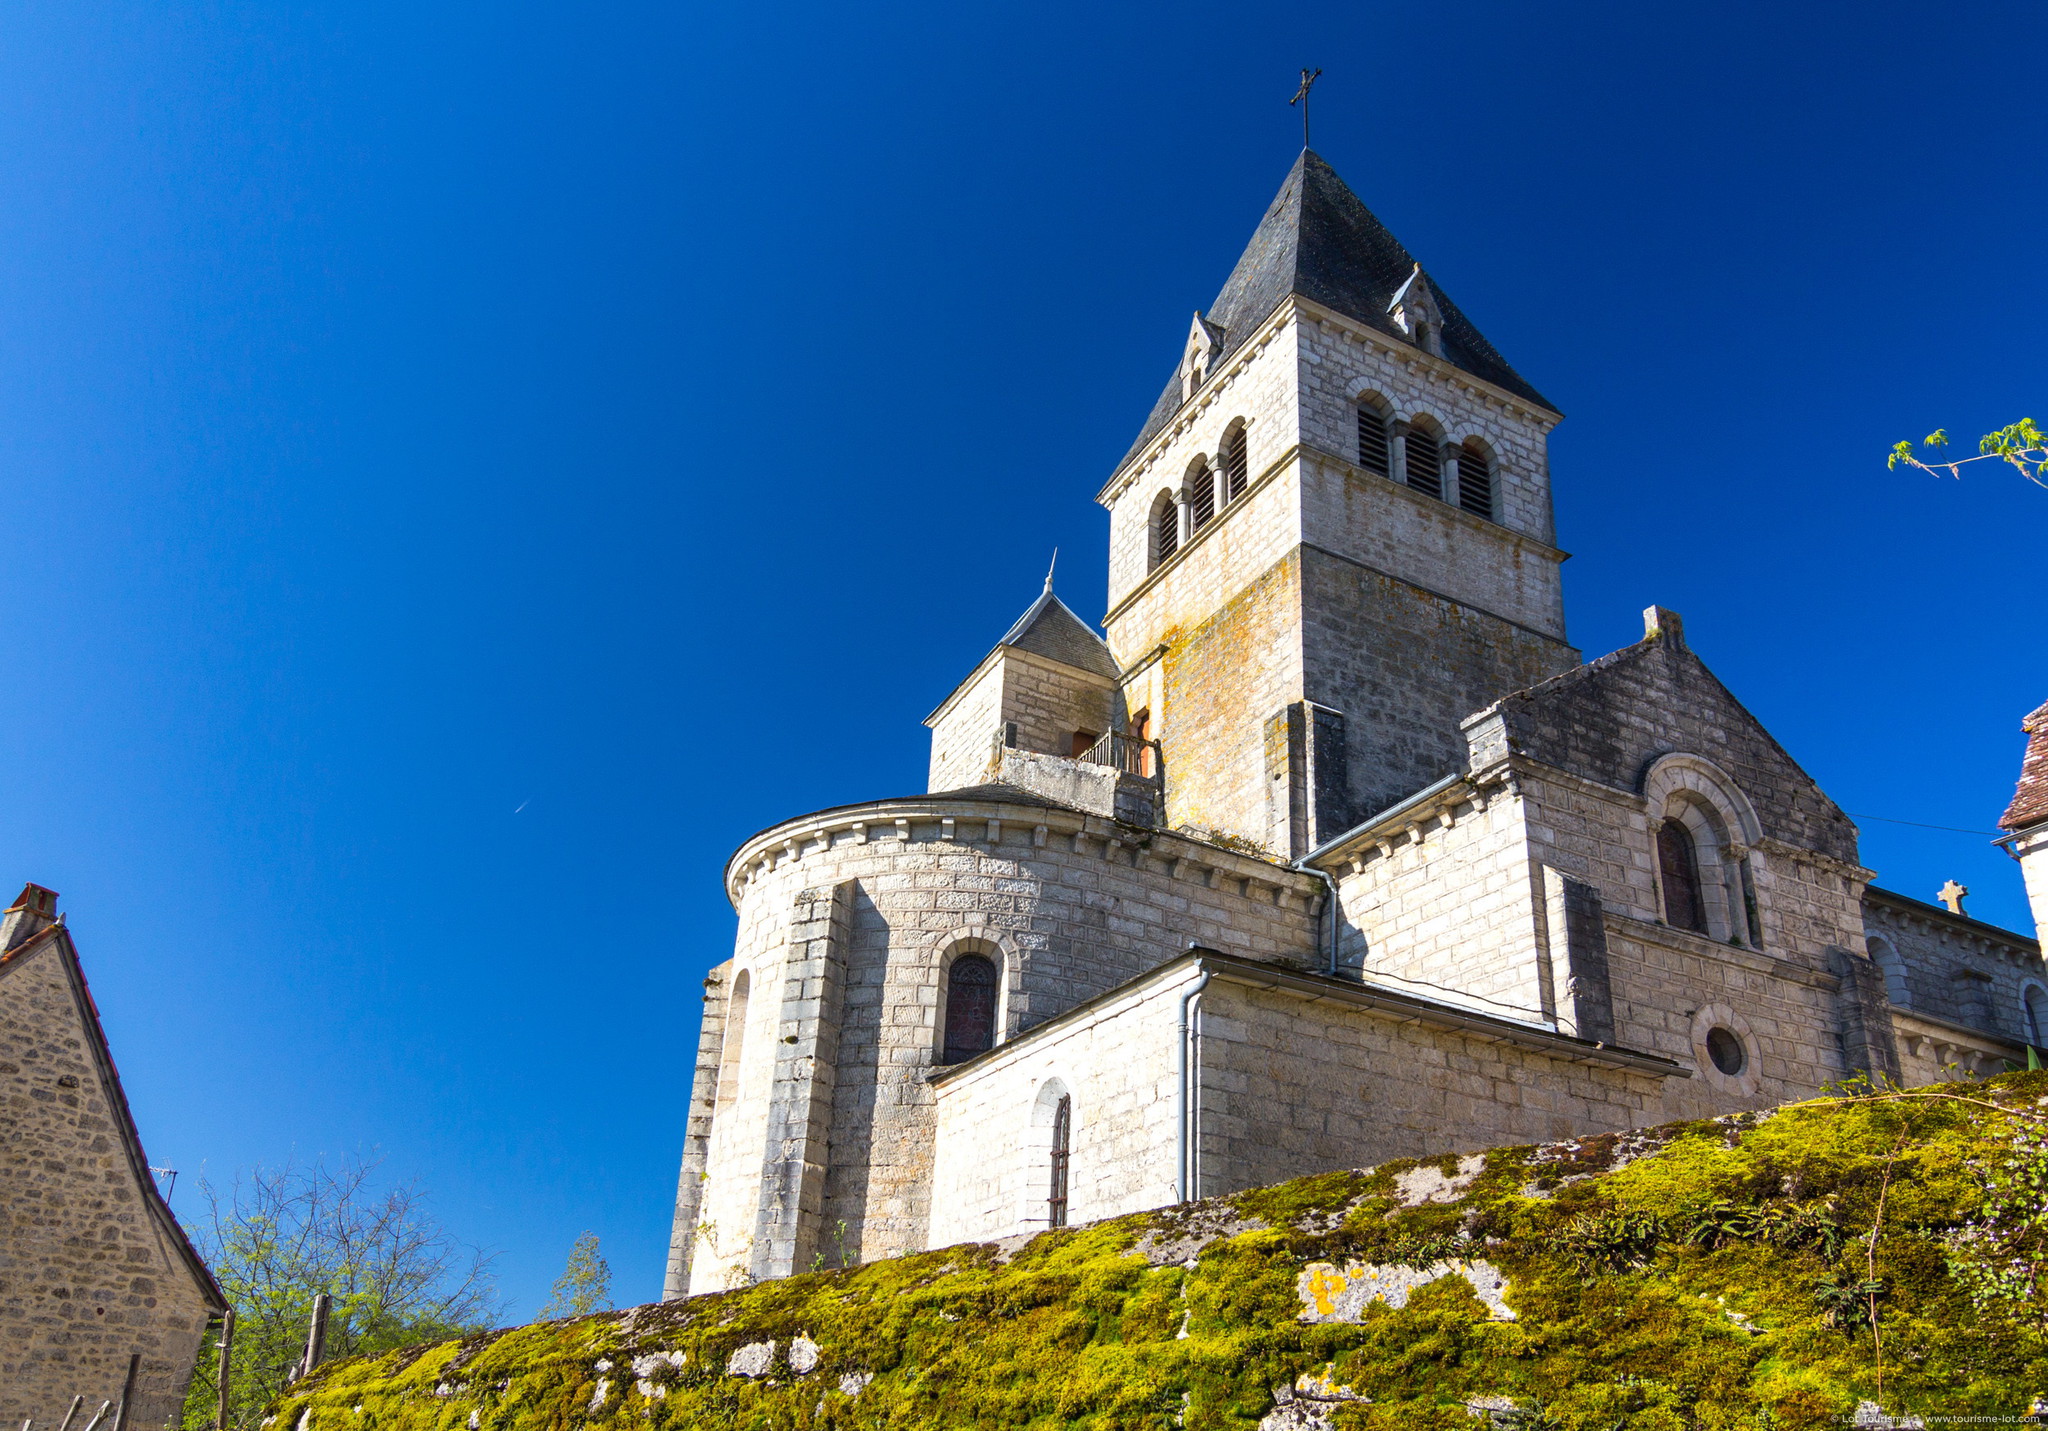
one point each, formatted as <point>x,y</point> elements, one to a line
<point>638,417</point>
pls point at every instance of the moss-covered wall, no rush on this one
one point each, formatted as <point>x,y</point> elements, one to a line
<point>1777,1269</point>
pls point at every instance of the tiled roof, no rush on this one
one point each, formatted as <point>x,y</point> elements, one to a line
<point>1319,241</point>
<point>2030,802</point>
<point>1049,628</point>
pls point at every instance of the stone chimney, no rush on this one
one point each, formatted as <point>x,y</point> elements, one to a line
<point>33,911</point>
<point>2027,818</point>
<point>1665,625</point>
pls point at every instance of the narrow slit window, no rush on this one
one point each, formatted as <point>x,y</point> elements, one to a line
<point>970,1008</point>
<point>1201,485</point>
<point>1425,464</point>
<point>1678,866</point>
<point>1475,481</point>
<point>1236,465</point>
<point>1374,453</point>
<point>1062,1137</point>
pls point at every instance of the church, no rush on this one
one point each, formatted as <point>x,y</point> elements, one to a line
<point>1326,848</point>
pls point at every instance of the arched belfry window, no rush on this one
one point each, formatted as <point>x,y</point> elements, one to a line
<point>1678,870</point>
<point>1475,481</point>
<point>970,1008</point>
<point>1062,1144</point>
<point>1375,445</point>
<point>1165,528</point>
<point>1200,485</point>
<point>1236,465</point>
<point>1425,461</point>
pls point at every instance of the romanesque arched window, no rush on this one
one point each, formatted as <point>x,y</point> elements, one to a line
<point>1062,1140</point>
<point>1200,485</point>
<point>970,1008</point>
<point>1425,463</point>
<point>1375,448</point>
<point>1234,461</point>
<point>1678,870</point>
<point>1165,528</point>
<point>1475,480</point>
<point>2034,1011</point>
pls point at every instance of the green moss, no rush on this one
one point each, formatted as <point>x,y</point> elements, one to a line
<point>1706,1275</point>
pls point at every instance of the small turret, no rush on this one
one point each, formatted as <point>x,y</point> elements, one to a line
<point>1049,686</point>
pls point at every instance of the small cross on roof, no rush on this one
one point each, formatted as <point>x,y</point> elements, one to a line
<point>1951,894</point>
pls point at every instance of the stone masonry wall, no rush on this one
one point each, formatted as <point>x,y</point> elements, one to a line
<point>1443,907</point>
<point>87,1276</point>
<point>1291,1086</point>
<point>992,1165</point>
<point>1405,666</point>
<point>1050,702</point>
<point>1073,906</point>
<point>1258,387</point>
<point>964,733</point>
<point>1341,361</point>
<point>1782,999</point>
<point>1953,968</point>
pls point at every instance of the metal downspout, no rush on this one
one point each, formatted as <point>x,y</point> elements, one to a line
<point>1183,1139</point>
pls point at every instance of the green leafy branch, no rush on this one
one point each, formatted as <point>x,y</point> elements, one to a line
<point>2023,445</point>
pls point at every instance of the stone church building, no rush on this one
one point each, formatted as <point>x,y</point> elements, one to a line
<point>1329,848</point>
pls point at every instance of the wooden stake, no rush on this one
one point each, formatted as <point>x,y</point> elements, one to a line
<point>105,1407</point>
<point>227,1351</point>
<point>76,1402</point>
<point>127,1392</point>
<point>316,1335</point>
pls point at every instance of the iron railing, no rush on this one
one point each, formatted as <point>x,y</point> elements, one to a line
<point>1126,753</point>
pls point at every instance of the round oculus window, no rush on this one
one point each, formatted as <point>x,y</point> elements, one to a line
<point>1725,1048</point>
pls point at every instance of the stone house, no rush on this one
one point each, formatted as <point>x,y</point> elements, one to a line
<point>101,1293</point>
<point>1329,848</point>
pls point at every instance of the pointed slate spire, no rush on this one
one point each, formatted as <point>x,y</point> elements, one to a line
<point>1319,241</point>
<point>1049,628</point>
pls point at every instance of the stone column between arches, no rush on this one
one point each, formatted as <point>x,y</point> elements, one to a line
<point>790,1219</point>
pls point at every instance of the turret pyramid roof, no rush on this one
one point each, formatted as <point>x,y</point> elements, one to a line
<point>1319,241</point>
<point>1049,628</point>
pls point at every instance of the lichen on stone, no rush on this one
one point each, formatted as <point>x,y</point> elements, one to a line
<point>1721,1273</point>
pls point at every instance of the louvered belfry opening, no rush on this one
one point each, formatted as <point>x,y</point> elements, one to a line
<point>1062,1134</point>
<point>1236,466</point>
<point>1425,462</point>
<point>1679,866</point>
<point>1201,487</point>
<point>1375,453</point>
<point>1165,530</point>
<point>970,1008</point>
<point>1475,481</point>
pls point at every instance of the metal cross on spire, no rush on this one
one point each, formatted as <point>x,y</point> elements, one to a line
<point>1301,98</point>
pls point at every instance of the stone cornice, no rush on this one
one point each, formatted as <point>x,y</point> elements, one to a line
<point>936,820</point>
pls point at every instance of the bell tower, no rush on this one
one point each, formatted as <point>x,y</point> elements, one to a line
<point>1332,540</point>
